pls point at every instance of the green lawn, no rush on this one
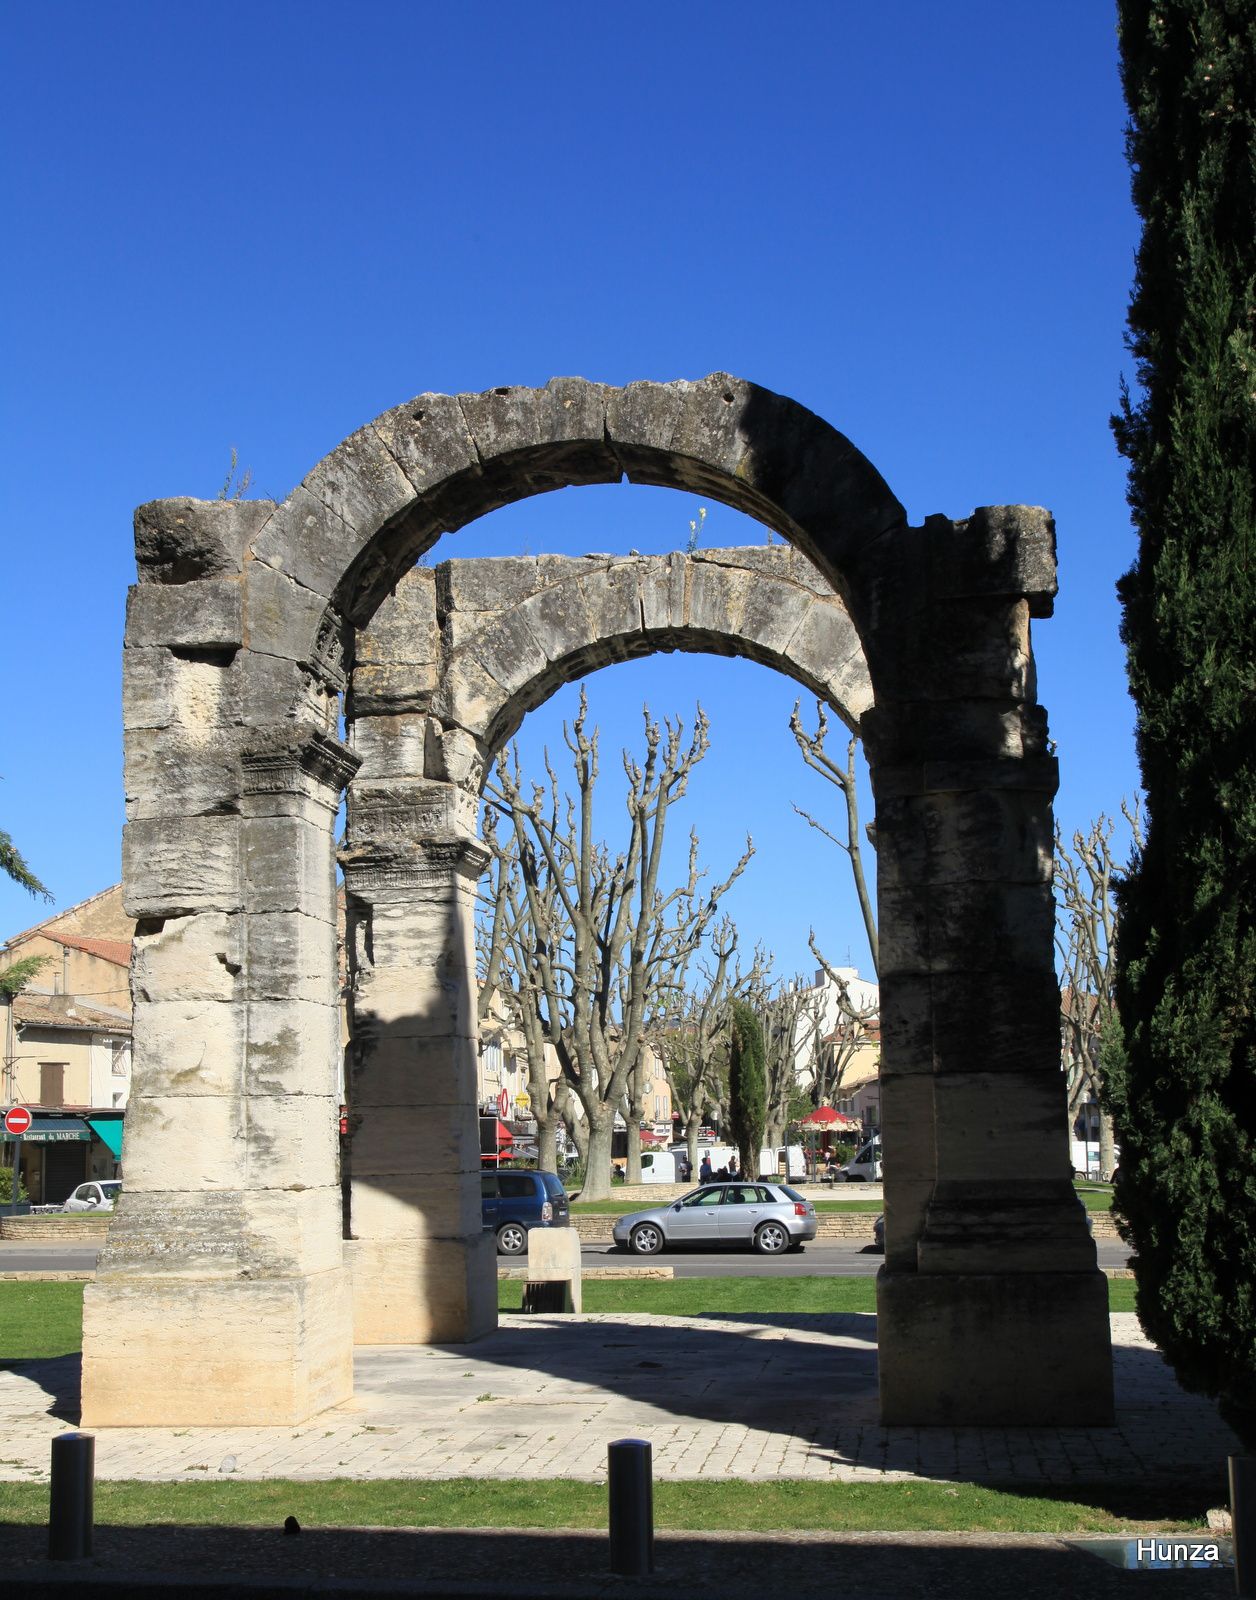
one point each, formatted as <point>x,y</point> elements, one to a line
<point>565,1503</point>
<point>691,1297</point>
<point>40,1319</point>
<point>45,1319</point>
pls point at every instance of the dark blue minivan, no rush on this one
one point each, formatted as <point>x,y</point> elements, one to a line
<point>515,1200</point>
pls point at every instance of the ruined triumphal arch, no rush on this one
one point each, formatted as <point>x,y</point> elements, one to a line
<point>228,1291</point>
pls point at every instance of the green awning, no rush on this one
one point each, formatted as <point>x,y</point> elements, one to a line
<point>58,1130</point>
<point>108,1129</point>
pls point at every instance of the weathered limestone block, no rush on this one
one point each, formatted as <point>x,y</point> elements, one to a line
<point>430,440</point>
<point>397,1196</point>
<point>468,695</point>
<point>389,747</point>
<point>186,1141</point>
<point>664,587</point>
<point>612,601</point>
<point>282,618</point>
<point>999,550</point>
<point>165,1352</point>
<point>489,583</point>
<point>363,487</point>
<point>293,1230</point>
<point>999,1224</point>
<point>174,865</point>
<point>400,1004</point>
<point>174,1232</point>
<point>167,775</point>
<point>907,1129</point>
<point>197,692</point>
<point>508,651</point>
<point>409,1137</point>
<point>389,690</point>
<point>717,598</point>
<point>458,756</point>
<point>290,956</point>
<point>979,649</point>
<point>554,1257</point>
<point>399,1070</point>
<point>558,618</point>
<point>188,1047</point>
<point>275,690</point>
<point>544,438</point>
<point>964,836</point>
<point>292,1047</point>
<point>1020,1026</point>
<point>423,1291</point>
<point>825,642</point>
<point>204,615</point>
<point>288,866</point>
<point>192,957</point>
<point>182,540</point>
<point>991,1350</point>
<point>772,614</point>
<point>293,1140</point>
<point>1002,1125</point>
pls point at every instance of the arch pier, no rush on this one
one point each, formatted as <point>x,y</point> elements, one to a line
<point>236,1279</point>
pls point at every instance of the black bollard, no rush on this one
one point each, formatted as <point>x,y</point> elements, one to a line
<point>70,1499</point>
<point>1243,1523</point>
<point>630,1483</point>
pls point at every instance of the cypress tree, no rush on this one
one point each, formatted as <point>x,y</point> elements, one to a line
<point>1182,1077</point>
<point>747,1088</point>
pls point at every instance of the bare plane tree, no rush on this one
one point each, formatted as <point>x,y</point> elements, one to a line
<point>812,749</point>
<point>1086,934</point>
<point>597,944</point>
<point>692,1037</point>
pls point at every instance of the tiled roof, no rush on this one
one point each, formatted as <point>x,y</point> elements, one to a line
<point>116,950</point>
<point>66,1011</point>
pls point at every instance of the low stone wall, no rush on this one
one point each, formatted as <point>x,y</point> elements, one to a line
<point>74,1227</point>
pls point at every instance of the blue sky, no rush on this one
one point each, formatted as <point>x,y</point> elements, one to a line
<point>259,226</point>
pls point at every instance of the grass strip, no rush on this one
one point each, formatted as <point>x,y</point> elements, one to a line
<point>768,1506</point>
<point>39,1320</point>
<point>695,1297</point>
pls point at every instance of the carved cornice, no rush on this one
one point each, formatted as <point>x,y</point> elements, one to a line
<point>422,864</point>
<point>317,767</point>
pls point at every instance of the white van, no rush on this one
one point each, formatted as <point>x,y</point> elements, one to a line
<point>658,1166</point>
<point>787,1161</point>
<point>865,1167</point>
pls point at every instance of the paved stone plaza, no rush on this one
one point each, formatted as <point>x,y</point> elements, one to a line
<point>746,1396</point>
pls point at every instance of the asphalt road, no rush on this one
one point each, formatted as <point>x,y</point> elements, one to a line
<point>817,1260</point>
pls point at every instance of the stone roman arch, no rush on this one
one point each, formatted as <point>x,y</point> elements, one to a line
<point>241,635</point>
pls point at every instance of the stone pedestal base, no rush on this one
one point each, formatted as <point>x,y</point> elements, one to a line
<point>172,1351</point>
<point>423,1291</point>
<point>1013,1349</point>
<point>554,1257</point>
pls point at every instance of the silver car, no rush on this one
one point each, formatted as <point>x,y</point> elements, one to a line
<point>769,1217</point>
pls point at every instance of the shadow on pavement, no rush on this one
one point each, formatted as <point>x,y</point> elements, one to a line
<point>522,1564</point>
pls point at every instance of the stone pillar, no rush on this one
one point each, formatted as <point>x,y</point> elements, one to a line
<point>424,1271</point>
<point>991,1308</point>
<point>222,1297</point>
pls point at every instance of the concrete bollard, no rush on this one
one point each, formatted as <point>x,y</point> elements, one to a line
<point>630,1485</point>
<point>70,1497</point>
<point>1243,1523</point>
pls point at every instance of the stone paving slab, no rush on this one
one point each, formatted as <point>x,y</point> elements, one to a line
<point>740,1396</point>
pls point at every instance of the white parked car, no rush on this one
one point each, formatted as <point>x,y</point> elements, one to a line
<point>99,1195</point>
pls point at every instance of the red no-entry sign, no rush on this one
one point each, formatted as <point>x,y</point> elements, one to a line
<point>17,1119</point>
